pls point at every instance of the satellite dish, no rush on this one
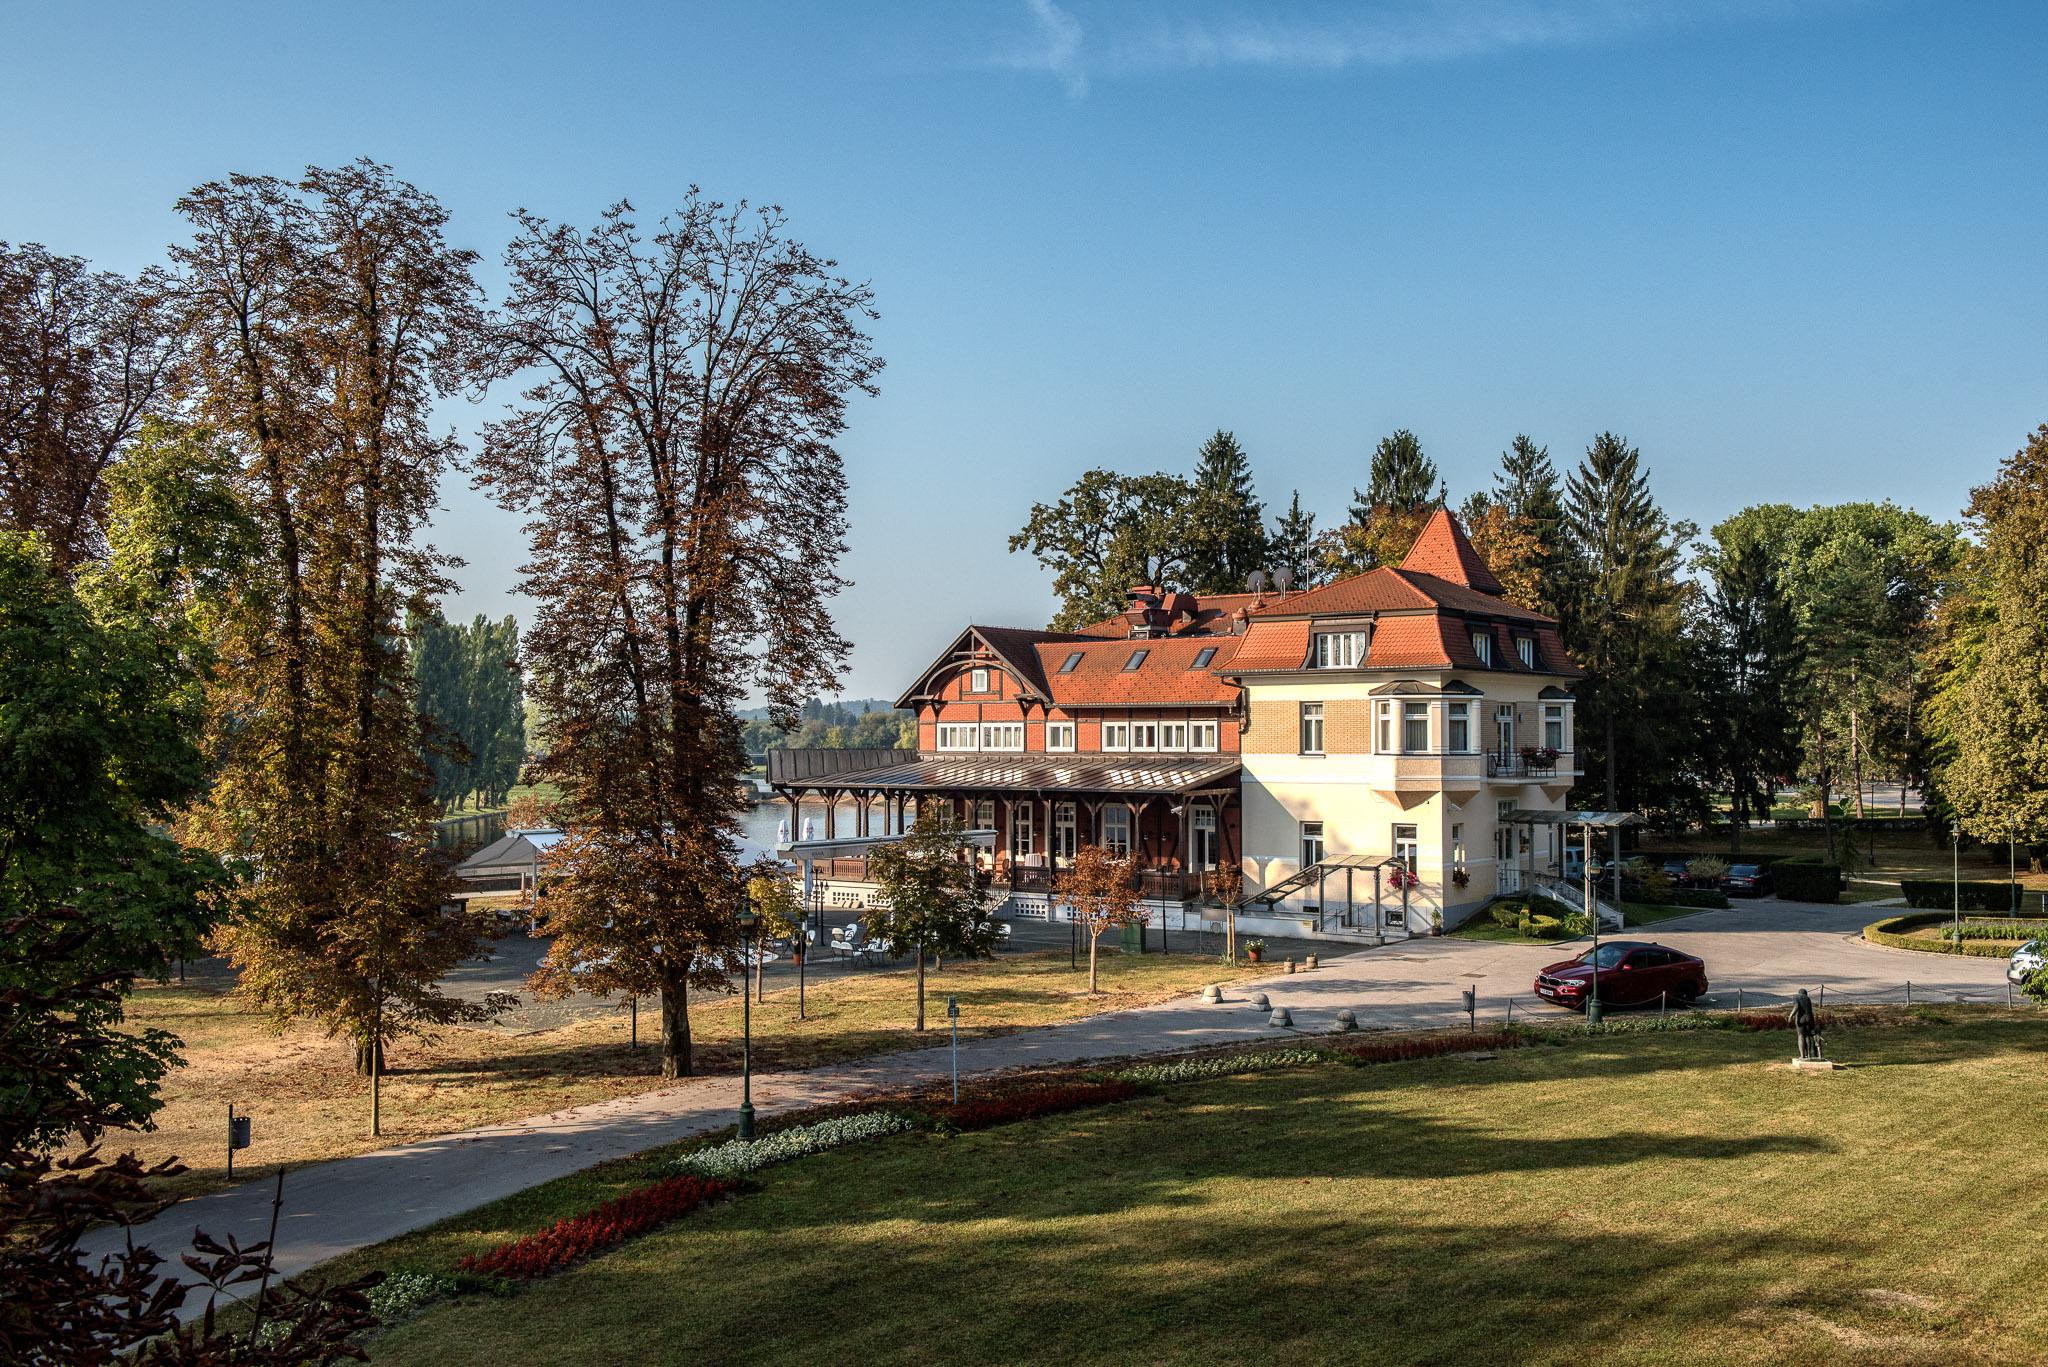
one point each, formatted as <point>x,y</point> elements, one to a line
<point>1283,578</point>
<point>1257,581</point>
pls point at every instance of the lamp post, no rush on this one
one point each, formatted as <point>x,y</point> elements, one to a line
<point>1593,919</point>
<point>953,1015</point>
<point>747,921</point>
<point>1956,879</point>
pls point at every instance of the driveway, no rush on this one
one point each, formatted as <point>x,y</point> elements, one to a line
<point>1765,951</point>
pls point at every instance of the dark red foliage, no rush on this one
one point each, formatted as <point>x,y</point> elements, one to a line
<point>601,1227</point>
<point>1433,1046</point>
<point>1027,1102</point>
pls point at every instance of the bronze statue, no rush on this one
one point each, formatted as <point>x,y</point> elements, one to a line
<point>1807,1023</point>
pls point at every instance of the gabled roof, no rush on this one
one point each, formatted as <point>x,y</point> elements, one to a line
<point>1445,552</point>
<point>1012,647</point>
<point>1166,677</point>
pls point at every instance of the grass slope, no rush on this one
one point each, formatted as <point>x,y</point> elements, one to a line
<point>1663,1198</point>
<point>307,1104</point>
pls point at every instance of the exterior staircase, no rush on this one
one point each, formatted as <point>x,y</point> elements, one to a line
<point>1573,895</point>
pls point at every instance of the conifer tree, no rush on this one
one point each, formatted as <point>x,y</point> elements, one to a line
<point>1293,545</point>
<point>1226,522</point>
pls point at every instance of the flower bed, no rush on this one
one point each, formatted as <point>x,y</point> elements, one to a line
<point>1029,1103</point>
<point>597,1229</point>
<point>1434,1046</point>
<point>737,1158</point>
<point>1227,1065</point>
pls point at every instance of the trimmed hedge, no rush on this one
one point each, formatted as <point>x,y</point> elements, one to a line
<point>1711,899</point>
<point>1806,878</point>
<point>1225,1065</point>
<point>1943,895</point>
<point>1891,931</point>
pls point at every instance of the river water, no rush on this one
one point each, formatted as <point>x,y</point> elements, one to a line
<point>462,836</point>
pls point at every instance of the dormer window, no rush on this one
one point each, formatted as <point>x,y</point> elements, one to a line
<point>1482,646</point>
<point>1339,649</point>
<point>1137,659</point>
<point>1203,656</point>
<point>1067,666</point>
<point>1525,648</point>
<point>977,681</point>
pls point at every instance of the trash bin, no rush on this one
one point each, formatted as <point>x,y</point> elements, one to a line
<point>1134,936</point>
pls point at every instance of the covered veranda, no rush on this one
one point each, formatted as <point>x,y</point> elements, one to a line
<point>1176,816</point>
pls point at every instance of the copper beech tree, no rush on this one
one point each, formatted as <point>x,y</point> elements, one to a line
<point>1101,892</point>
<point>324,318</point>
<point>673,452</point>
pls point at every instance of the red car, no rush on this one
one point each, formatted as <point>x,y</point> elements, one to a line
<point>1632,973</point>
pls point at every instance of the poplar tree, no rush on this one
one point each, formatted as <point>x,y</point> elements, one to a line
<point>1990,713</point>
<point>674,452</point>
<point>326,315</point>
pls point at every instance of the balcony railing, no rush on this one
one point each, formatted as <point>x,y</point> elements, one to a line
<point>1163,884</point>
<point>1530,763</point>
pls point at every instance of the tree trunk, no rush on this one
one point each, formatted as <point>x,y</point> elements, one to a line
<point>1827,808</point>
<point>675,1028</point>
<point>1094,939</point>
<point>1856,761</point>
<point>920,985</point>
<point>366,1050</point>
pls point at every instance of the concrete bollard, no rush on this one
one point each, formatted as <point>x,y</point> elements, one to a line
<point>1346,1021</point>
<point>1310,966</point>
<point>1261,1001</point>
<point>1280,1017</point>
<point>1290,963</point>
<point>1213,993</point>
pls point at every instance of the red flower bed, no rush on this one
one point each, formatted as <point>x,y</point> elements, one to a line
<point>1433,1046</point>
<point>1025,1103</point>
<point>614,1222</point>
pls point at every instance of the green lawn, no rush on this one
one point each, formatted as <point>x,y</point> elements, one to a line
<point>1663,1198</point>
<point>1650,913</point>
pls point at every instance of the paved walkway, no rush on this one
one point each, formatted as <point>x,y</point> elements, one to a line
<point>1764,952</point>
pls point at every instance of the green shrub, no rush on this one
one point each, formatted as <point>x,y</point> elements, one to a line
<point>1226,1065</point>
<point>1506,913</point>
<point>1706,869</point>
<point>1975,896</point>
<point>1576,923</point>
<point>1545,928</point>
<point>1711,898</point>
<point>1807,878</point>
<point>1892,931</point>
<point>2005,929</point>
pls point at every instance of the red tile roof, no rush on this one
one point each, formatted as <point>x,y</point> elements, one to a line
<point>1272,645</point>
<point>1166,678</point>
<point>1414,642</point>
<point>1444,551</point>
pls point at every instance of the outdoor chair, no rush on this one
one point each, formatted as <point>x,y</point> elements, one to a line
<point>850,940</point>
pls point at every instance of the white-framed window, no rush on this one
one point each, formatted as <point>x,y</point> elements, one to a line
<point>1116,830</point>
<point>1063,831</point>
<point>1525,650</point>
<point>1458,728</point>
<point>1020,829</point>
<point>1340,649</point>
<point>1202,836</point>
<point>1311,843</point>
<point>1482,646</point>
<point>1173,735</point>
<point>1553,725</point>
<point>1457,844</point>
<point>1407,848</point>
<point>977,681</point>
<point>1383,728</point>
<point>1144,735</point>
<point>1202,735</point>
<point>958,735</point>
<point>1059,735</point>
<point>1002,735</point>
<point>985,814</point>
<point>1414,728</point>
<point>1116,735</point>
<point>1311,728</point>
<point>1504,729</point>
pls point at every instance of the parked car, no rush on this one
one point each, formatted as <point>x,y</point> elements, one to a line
<point>1630,972</point>
<point>2026,961</point>
<point>1675,870</point>
<point>1748,880</point>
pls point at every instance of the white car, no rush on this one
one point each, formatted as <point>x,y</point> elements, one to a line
<point>2026,961</point>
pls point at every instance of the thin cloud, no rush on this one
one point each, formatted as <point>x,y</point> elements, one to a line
<point>1396,33</point>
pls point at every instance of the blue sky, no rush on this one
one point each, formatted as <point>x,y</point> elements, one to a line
<point>1795,251</point>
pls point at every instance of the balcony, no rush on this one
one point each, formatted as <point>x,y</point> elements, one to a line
<point>1531,763</point>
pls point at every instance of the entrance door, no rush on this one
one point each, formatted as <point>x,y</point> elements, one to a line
<point>1202,836</point>
<point>1020,830</point>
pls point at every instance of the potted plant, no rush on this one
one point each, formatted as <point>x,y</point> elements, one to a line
<point>1461,878</point>
<point>1436,923</point>
<point>1255,951</point>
